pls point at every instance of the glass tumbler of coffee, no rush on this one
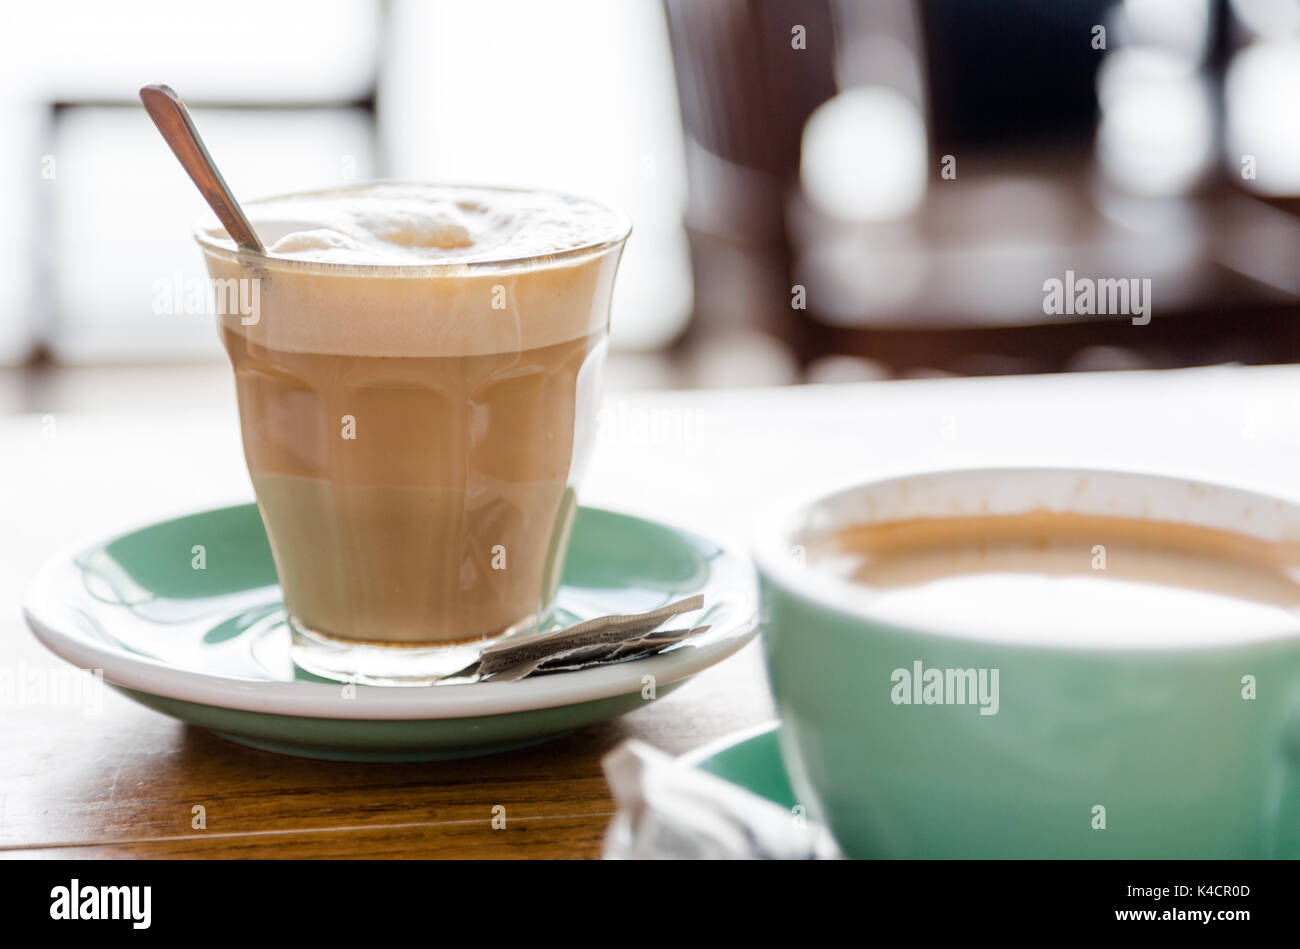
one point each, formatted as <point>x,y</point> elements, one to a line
<point>417,370</point>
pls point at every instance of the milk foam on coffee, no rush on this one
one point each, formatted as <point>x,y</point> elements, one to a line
<point>422,270</point>
<point>1046,577</point>
<point>413,224</point>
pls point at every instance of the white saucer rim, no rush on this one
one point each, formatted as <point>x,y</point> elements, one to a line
<point>325,700</point>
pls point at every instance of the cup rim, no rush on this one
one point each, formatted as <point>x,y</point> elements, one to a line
<point>224,248</point>
<point>772,542</point>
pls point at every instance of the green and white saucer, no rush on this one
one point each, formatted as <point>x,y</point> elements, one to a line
<point>210,646</point>
<point>750,760</point>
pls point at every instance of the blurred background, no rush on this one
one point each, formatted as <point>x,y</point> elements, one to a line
<point>822,190</point>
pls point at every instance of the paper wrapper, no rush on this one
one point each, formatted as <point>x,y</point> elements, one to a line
<point>671,811</point>
<point>595,642</point>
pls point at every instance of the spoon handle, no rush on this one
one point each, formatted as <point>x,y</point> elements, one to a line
<point>173,120</point>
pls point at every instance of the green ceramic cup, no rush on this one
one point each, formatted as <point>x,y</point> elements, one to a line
<point>1137,751</point>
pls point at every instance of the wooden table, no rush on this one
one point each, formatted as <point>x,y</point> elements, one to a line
<point>124,783</point>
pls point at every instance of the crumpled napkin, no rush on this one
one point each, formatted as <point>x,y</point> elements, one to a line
<point>668,810</point>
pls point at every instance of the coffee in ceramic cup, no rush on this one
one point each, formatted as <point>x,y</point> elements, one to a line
<point>1038,663</point>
